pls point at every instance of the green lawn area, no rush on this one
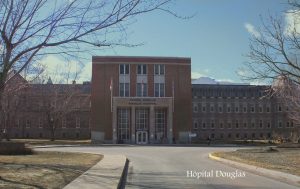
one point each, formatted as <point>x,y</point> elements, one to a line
<point>37,142</point>
<point>282,159</point>
<point>44,169</point>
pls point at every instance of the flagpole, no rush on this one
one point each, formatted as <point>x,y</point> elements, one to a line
<point>173,88</point>
<point>111,95</point>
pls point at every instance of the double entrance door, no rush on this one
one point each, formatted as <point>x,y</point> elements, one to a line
<point>142,137</point>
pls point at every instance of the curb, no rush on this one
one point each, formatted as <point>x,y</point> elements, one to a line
<point>281,176</point>
<point>110,173</point>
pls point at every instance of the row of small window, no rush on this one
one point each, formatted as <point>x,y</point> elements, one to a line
<point>227,93</point>
<point>41,135</point>
<point>159,69</point>
<point>41,123</point>
<point>245,109</point>
<point>239,136</point>
<point>141,89</point>
<point>237,125</point>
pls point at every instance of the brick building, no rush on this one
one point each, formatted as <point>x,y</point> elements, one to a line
<point>61,111</point>
<point>141,99</point>
<point>238,112</point>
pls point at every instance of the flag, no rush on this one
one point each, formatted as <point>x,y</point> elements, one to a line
<point>111,84</point>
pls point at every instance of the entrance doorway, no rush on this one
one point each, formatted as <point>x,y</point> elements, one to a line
<point>142,137</point>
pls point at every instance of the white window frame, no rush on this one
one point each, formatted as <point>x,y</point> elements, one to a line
<point>159,69</point>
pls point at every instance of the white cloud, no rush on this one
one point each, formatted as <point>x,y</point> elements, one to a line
<point>251,29</point>
<point>196,75</point>
<point>62,71</point>
<point>292,22</point>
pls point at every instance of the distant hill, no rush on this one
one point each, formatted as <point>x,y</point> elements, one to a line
<point>211,81</point>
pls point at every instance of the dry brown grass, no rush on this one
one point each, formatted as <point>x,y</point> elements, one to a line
<point>44,169</point>
<point>285,160</point>
<point>37,142</point>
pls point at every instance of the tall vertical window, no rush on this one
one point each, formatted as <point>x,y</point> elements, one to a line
<point>77,122</point>
<point>160,123</point>
<point>124,69</point>
<point>159,69</point>
<point>124,89</point>
<point>141,89</point>
<point>40,123</point>
<point>159,89</point>
<point>123,124</point>
<point>142,118</point>
<point>142,69</point>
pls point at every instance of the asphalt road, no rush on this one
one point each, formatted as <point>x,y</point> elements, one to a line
<point>180,167</point>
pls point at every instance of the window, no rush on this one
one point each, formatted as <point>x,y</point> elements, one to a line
<point>63,123</point>
<point>229,125</point>
<point>260,109</point>
<point>212,124</point>
<point>245,125</point>
<point>123,124</point>
<point>141,89</point>
<point>221,125</point>
<point>261,135</point>
<point>221,135</point>
<point>124,89</point>
<point>28,123</point>
<point>40,123</point>
<point>253,125</point>
<point>195,108</point>
<point>287,124</point>
<point>220,109</point>
<point>195,125</point>
<point>245,109</point>
<point>160,123</point>
<point>229,135</point>
<point>124,69</point>
<point>237,135</point>
<point>236,124</point>
<point>203,125</point>
<point>228,109</point>
<point>269,125</point>
<point>142,69</point>
<point>260,124</point>
<point>279,108</point>
<point>268,109</point>
<point>252,109</point>
<point>203,108</point>
<point>77,122</point>
<point>292,124</point>
<point>142,118</point>
<point>253,135</point>
<point>279,124</point>
<point>245,135</point>
<point>236,109</point>
<point>211,108</point>
<point>159,69</point>
<point>159,89</point>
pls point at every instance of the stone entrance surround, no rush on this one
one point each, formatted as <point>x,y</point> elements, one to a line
<point>145,102</point>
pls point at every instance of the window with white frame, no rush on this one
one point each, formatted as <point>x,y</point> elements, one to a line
<point>159,89</point>
<point>195,124</point>
<point>123,124</point>
<point>124,69</point>
<point>77,122</point>
<point>124,89</point>
<point>141,69</point>
<point>159,69</point>
<point>141,89</point>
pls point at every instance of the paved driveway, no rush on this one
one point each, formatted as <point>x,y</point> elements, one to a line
<point>173,167</point>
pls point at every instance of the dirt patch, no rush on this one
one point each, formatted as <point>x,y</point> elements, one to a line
<point>44,169</point>
<point>280,159</point>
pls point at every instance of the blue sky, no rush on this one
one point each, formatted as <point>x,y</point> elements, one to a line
<point>215,38</point>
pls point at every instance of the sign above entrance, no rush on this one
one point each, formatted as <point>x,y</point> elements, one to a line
<point>142,101</point>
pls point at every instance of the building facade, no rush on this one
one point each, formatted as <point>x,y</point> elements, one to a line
<point>238,112</point>
<point>58,111</point>
<point>141,100</point>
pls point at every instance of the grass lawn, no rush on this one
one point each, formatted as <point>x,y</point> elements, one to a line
<point>37,142</point>
<point>43,169</point>
<point>285,159</point>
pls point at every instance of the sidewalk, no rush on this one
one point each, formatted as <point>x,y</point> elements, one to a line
<point>281,176</point>
<point>107,173</point>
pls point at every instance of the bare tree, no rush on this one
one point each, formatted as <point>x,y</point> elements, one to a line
<point>274,57</point>
<point>31,29</point>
